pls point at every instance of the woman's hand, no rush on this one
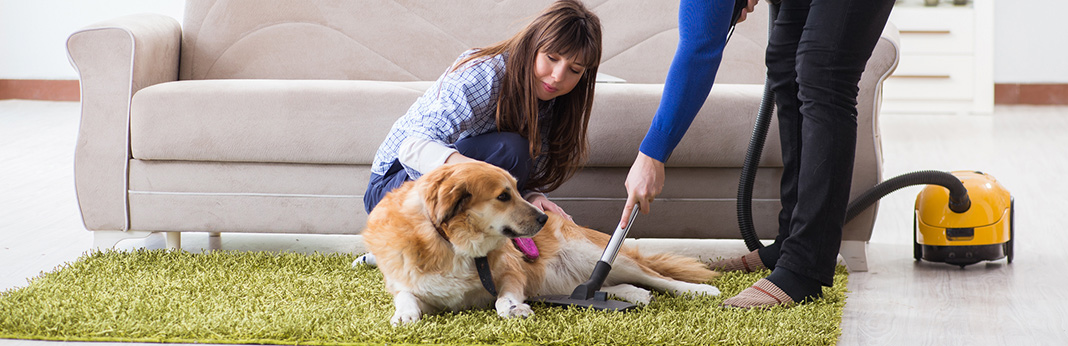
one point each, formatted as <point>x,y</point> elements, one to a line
<point>748,8</point>
<point>644,182</point>
<point>543,203</point>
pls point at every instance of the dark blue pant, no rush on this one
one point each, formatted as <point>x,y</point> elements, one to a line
<point>507,150</point>
<point>816,53</point>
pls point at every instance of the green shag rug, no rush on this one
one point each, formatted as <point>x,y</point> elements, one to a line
<point>287,298</point>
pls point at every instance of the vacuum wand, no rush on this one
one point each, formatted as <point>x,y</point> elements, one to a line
<point>612,249</point>
<point>600,270</point>
<point>588,294</point>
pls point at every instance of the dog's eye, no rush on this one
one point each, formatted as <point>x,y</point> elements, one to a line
<point>504,197</point>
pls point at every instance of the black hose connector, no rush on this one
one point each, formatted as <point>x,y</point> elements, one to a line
<point>958,195</point>
<point>739,6</point>
<point>587,289</point>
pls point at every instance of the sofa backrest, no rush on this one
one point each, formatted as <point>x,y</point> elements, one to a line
<point>410,40</point>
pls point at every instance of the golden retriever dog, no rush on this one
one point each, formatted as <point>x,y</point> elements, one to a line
<point>427,234</point>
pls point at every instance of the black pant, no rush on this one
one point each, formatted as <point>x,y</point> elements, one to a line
<point>817,50</point>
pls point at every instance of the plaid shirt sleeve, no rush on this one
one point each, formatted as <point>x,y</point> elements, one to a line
<point>459,105</point>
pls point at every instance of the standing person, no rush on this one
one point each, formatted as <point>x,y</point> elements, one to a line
<point>522,104</point>
<point>817,50</point>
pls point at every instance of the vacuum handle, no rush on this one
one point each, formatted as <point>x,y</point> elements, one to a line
<point>610,251</point>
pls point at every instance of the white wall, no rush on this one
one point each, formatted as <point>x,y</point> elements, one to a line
<point>1028,36</point>
<point>1029,41</point>
<point>33,33</point>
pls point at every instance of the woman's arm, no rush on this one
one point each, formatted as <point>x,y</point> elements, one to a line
<point>703,27</point>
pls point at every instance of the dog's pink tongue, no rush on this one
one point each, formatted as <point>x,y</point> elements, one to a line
<point>527,246</point>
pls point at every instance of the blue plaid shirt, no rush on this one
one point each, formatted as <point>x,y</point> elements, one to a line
<point>459,105</point>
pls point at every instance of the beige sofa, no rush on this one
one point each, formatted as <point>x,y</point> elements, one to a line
<point>264,117</point>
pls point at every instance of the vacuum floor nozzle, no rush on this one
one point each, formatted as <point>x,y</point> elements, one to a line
<point>599,301</point>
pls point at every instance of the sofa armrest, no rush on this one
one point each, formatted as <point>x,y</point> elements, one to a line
<point>868,166</point>
<point>114,59</point>
<point>887,53</point>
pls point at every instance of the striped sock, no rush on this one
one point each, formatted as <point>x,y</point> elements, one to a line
<point>763,294</point>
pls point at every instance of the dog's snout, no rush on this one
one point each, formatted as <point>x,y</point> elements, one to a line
<point>542,219</point>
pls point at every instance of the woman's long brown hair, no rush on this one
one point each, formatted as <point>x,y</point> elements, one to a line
<point>569,29</point>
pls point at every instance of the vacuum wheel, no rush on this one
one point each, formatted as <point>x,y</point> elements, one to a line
<point>917,250</point>
<point>1012,231</point>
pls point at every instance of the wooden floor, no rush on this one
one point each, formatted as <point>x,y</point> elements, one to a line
<point>897,302</point>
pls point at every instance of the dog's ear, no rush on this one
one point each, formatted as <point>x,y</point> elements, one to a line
<point>446,195</point>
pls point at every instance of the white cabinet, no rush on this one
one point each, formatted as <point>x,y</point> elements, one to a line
<point>947,58</point>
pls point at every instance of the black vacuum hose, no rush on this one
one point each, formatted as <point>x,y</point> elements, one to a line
<point>958,195</point>
<point>756,147</point>
<point>749,168</point>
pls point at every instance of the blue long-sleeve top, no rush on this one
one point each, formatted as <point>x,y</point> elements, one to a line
<point>703,26</point>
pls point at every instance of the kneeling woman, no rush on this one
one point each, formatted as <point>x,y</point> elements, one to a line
<point>523,105</point>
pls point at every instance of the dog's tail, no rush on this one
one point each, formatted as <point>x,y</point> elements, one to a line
<point>680,268</point>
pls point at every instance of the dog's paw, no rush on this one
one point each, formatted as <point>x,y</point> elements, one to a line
<point>509,308</point>
<point>406,307</point>
<point>405,317</point>
<point>630,293</point>
<point>707,290</point>
<point>638,298</point>
<point>366,259</point>
<point>519,310</point>
<point>696,290</point>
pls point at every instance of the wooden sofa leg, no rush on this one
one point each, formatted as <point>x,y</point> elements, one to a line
<point>174,240</point>
<point>214,241</point>
<point>108,239</point>
<point>855,253</point>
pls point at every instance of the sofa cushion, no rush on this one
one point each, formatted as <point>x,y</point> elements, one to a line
<point>287,121</point>
<point>717,138</point>
<point>343,122</point>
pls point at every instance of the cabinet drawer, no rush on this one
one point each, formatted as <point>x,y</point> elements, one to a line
<point>932,78</point>
<point>935,30</point>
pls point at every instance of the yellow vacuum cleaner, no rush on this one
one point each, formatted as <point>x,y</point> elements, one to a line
<point>982,233</point>
<point>961,217</point>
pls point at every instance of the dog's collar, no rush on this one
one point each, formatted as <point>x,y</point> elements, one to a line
<point>481,264</point>
<point>484,275</point>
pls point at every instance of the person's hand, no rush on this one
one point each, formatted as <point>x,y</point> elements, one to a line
<point>748,8</point>
<point>543,203</point>
<point>644,183</point>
